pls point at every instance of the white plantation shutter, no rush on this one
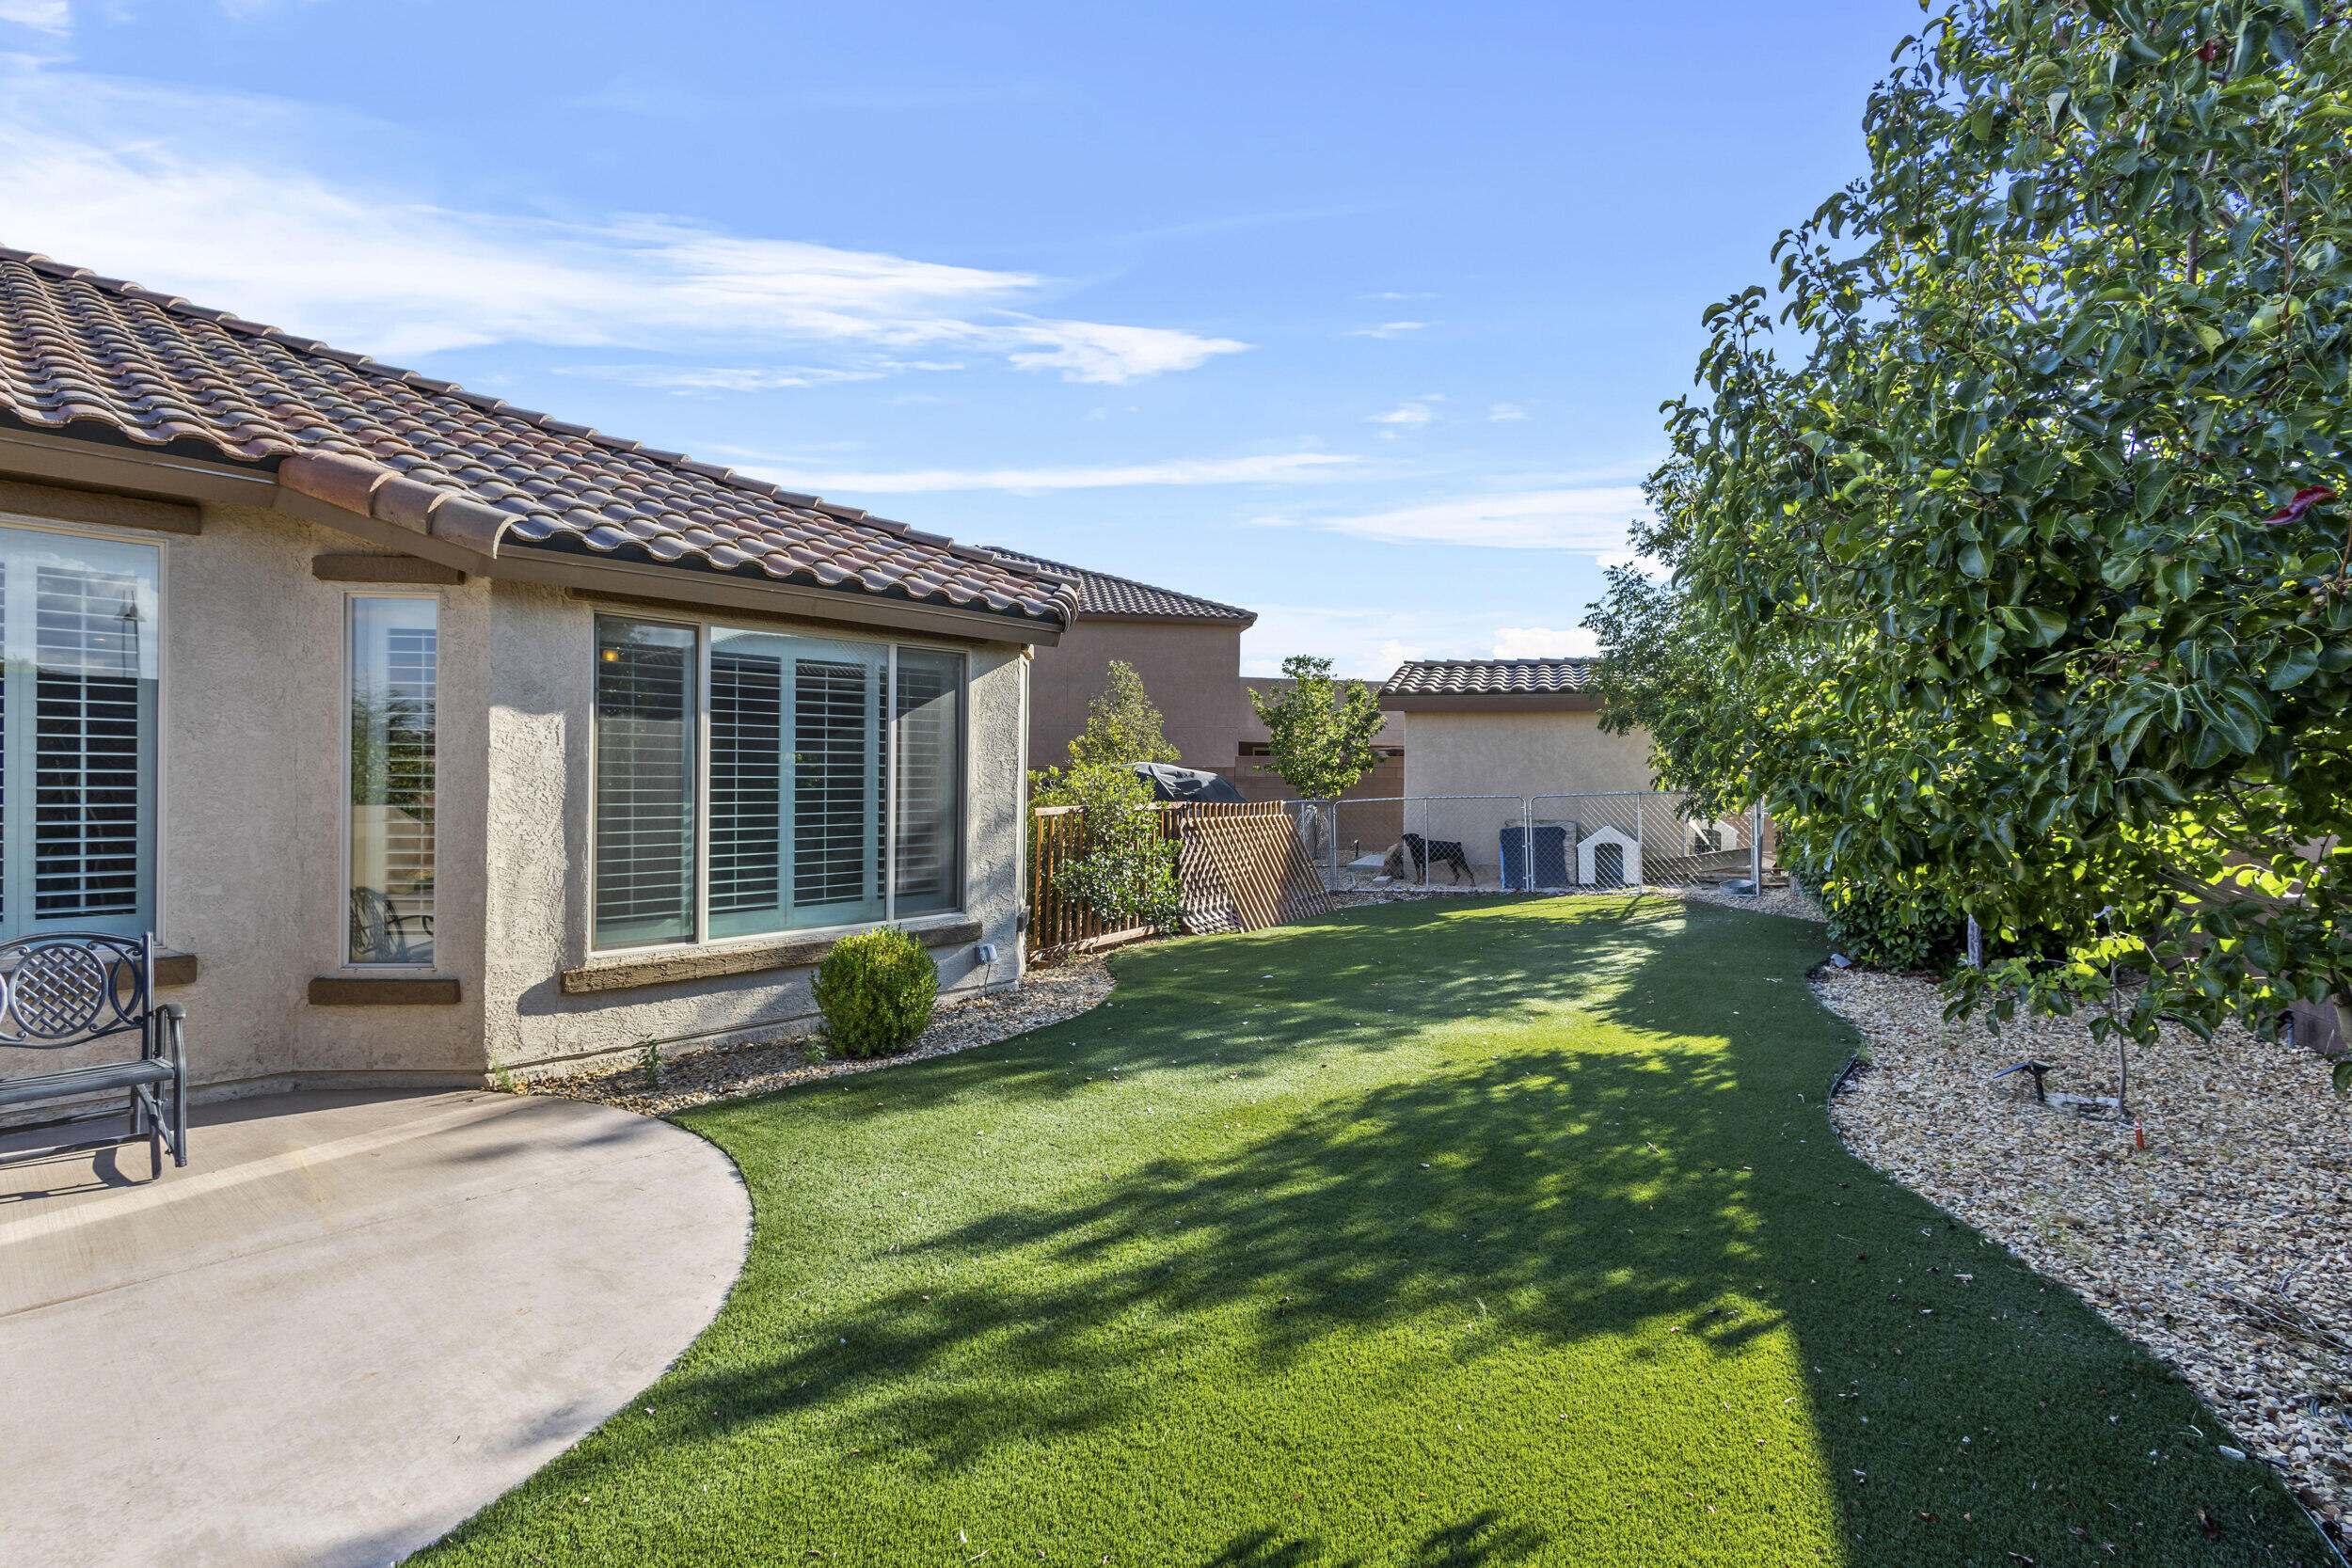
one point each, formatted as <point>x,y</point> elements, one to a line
<point>808,739</point>
<point>77,744</point>
<point>645,816</point>
<point>747,789</point>
<point>393,659</point>
<point>837,787</point>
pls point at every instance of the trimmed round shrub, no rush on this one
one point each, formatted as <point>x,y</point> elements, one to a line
<point>876,989</point>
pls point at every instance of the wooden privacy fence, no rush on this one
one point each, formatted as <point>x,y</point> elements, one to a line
<point>1240,866</point>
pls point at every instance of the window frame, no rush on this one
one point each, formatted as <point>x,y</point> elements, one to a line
<point>156,745</point>
<point>701,626</point>
<point>344,824</point>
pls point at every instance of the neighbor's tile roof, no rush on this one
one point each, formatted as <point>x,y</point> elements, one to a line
<point>1104,594</point>
<point>1489,677</point>
<point>78,351</point>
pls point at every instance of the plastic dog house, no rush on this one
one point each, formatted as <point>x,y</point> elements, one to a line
<point>1597,867</point>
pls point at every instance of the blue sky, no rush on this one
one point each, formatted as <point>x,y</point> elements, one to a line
<point>1357,314</point>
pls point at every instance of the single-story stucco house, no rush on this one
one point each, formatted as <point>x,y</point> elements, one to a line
<point>436,738</point>
<point>1186,648</point>
<point>1510,726</point>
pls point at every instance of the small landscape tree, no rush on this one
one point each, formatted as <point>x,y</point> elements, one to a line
<point>1125,871</point>
<point>1320,730</point>
<point>1123,727</point>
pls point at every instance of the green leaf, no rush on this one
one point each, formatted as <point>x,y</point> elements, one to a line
<point>1972,559</point>
<point>2046,625</point>
<point>2298,665</point>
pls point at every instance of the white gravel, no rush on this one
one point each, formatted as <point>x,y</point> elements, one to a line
<point>2222,1247</point>
<point>1048,993</point>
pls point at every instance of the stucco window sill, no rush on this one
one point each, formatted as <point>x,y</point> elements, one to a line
<point>384,991</point>
<point>710,963</point>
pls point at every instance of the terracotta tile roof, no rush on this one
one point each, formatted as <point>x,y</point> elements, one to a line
<point>1100,593</point>
<point>98,357</point>
<point>1490,677</point>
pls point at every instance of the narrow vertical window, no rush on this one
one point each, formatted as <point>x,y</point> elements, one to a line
<point>644,787</point>
<point>926,857</point>
<point>78,620</point>
<point>394,659</point>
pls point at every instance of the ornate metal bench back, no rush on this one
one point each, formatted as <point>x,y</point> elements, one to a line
<point>72,988</point>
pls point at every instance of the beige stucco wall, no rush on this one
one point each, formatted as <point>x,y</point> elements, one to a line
<point>249,826</point>
<point>1519,753</point>
<point>1192,672</point>
<point>250,830</point>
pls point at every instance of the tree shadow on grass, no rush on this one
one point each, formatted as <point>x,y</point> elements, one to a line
<point>1481,1540</point>
<point>1673,1169</point>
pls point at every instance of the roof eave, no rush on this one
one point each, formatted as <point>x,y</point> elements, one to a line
<point>1129,617</point>
<point>1489,702</point>
<point>464,538</point>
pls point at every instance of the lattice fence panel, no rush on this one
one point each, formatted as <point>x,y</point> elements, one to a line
<point>1242,865</point>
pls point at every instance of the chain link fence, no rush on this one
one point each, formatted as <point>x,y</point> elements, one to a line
<point>1513,843</point>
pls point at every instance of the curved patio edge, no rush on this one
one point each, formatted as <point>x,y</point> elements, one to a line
<point>353,1321</point>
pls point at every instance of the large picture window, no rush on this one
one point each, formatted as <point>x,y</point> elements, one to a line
<point>750,782</point>
<point>393,654</point>
<point>78,625</point>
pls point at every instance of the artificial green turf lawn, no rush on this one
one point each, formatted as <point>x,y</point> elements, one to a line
<point>1458,1232</point>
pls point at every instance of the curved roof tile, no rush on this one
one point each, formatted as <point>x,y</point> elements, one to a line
<point>153,369</point>
<point>1490,677</point>
<point>1100,593</point>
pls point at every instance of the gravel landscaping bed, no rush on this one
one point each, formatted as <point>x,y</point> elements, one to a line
<point>2222,1246</point>
<point>1048,993</point>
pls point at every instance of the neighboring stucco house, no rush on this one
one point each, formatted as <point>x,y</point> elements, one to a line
<point>1186,648</point>
<point>436,736</point>
<point>1510,726</point>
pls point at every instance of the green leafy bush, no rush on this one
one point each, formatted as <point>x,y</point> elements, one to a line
<point>1889,927</point>
<point>1125,871</point>
<point>876,989</point>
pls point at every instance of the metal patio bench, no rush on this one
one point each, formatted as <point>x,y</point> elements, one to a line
<point>70,988</point>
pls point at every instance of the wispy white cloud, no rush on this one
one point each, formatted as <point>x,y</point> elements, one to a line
<point>1385,330</point>
<point>160,186</point>
<point>1544,642</point>
<point>1368,643</point>
<point>1592,519</point>
<point>1287,467</point>
<point>1416,411</point>
<point>1391,294</point>
<point>745,378</point>
<point>1649,566</point>
<point>55,17</point>
<point>1502,411</point>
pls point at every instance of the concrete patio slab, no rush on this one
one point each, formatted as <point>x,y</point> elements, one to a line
<point>349,1323</point>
